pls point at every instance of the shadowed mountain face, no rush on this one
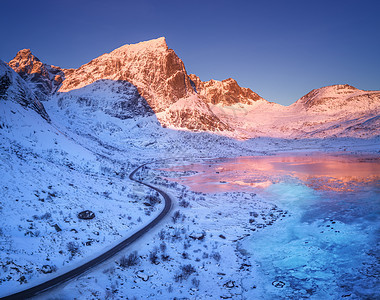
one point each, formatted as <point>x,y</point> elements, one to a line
<point>119,99</point>
<point>14,88</point>
<point>153,72</point>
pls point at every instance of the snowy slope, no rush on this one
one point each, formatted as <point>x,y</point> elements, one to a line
<point>331,111</point>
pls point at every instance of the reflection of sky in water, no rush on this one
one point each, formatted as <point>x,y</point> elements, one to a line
<point>329,247</point>
<point>322,172</point>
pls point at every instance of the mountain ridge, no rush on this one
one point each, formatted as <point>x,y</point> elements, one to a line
<point>182,101</point>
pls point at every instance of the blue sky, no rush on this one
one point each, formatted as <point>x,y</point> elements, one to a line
<point>279,49</point>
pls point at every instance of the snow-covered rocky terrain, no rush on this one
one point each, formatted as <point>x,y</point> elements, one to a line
<point>68,151</point>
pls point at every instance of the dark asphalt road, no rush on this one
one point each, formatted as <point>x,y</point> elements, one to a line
<point>40,288</point>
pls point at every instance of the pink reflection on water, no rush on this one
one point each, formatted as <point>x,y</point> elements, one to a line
<point>319,171</point>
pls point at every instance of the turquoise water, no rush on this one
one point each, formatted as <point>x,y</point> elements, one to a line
<point>328,247</point>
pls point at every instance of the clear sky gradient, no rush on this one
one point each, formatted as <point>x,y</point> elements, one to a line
<point>280,49</point>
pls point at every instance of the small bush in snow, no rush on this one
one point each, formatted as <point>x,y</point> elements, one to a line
<point>216,256</point>
<point>73,248</point>
<point>163,247</point>
<point>195,282</point>
<point>161,234</point>
<point>153,199</point>
<point>184,203</point>
<point>153,257</point>
<point>186,271</point>
<point>176,216</point>
<point>131,260</point>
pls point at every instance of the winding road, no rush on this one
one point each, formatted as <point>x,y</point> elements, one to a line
<point>40,288</point>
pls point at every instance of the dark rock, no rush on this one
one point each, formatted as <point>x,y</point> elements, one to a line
<point>278,284</point>
<point>57,227</point>
<point>86,215</point>
<point>46,269</point>
<point>229,284</point>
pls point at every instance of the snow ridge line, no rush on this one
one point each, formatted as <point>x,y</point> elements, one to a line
<point>54,282</point>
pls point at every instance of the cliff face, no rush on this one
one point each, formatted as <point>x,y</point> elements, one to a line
<point>149,78</point>
<point>226,92</point>
<point>43,79</point>
<point>160,77</point>
<point>157,72</point>
<point>14,88</point>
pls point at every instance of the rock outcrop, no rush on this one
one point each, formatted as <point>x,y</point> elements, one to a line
<point>160,77</point>
<point>43,79</point>
<point>14,88</point>
<point>226,92</point>
<point>157,72</point>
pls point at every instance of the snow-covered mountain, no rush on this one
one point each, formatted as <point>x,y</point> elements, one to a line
<point>148,77</point>
<point>42,78</point>
<point>339,98</point>
<point>14,88</point>
<point>108,118</point>
<point>160,77</point>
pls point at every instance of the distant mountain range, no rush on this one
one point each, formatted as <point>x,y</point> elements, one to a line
<point>149,78</point>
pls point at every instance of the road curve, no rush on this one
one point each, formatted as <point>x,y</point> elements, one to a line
<point>40,288</point>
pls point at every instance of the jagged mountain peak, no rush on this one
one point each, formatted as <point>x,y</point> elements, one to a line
<point>157,72</point>
<point>14,88</point>
<point>226,92</point>
<point>43,79</point>
<point>151,45</point>
<point>26,63</point>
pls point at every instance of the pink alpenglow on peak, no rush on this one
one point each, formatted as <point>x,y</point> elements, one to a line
<point>157,72</point>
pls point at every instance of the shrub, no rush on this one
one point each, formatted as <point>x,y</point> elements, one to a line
<point>73,248</point>
<point>184,203</point>
<point>163,247</point>
<point>196,282</point>
<point>176,216</point>
<point>153,257</point>
<point>216,256</point>
<point>185,272</point>
<point>153,199</point>
<point>161,234</point>
<point>132,260</point>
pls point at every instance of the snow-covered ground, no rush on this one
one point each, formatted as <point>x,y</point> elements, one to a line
<point>296,238</point>
<point>50,172</point>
